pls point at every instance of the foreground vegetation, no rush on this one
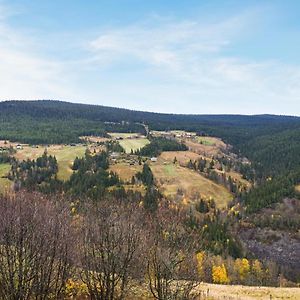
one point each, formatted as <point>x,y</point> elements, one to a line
<point>109,250</point>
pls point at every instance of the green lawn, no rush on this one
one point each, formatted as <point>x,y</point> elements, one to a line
<point>65,158</point>
<point>208,141</point>
<point>170,170</point>
<point>133,144</point>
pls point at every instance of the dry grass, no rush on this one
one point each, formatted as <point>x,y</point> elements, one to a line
<point>7,144</point>
<point>173,178</point>
<point>218,292</point>
<point>297,188</point>
<point>94,139</point>
<point>125,171</point>
<point>204,150</point>
<point>125,135</point>
<point>183,157</point>
<point>239,178</point>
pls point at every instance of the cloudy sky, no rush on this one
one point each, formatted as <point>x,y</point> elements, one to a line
<point>202,56</point>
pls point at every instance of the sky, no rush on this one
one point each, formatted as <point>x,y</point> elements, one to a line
<point>200,57</point>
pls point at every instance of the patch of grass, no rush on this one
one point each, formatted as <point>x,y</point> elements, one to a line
<point>65,156</point>
<point>125,171</point>
<point>170,170</point>
<point>208,141</point>
<point>171,178</point>
<point>217,291</point>
<point>123,135</point>
<point>183,157</point>
<point>133,144</point>
<point>4,182</point>
<point>297,188</point>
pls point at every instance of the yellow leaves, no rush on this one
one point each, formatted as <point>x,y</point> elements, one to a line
<point>200,256</point>
<point>165,234</point>
<point>242,267</point>
<point>75,288</point>
<point>185,201</point>
<point>219,274</point>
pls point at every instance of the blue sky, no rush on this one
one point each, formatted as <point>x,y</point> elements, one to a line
<point>158,55</point>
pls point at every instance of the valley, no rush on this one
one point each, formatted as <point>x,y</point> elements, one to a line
<point>235,219</point>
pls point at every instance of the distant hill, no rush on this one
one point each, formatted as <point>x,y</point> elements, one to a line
<point>271,142</point>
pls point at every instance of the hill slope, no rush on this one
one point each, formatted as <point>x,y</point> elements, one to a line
<point>271,142</point>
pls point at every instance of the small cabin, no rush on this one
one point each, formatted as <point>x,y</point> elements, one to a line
<point>153,159</point>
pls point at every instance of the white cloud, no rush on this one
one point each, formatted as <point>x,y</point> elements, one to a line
<point>190,60</point>
<point>157,65</point>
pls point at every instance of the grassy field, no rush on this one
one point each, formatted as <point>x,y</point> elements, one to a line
<point>298,188</point>
<point>133,144</point>
<point>130,141</point>
<point>125,171</point>
<point>183,157</point>
<point>202,149</point>
<point>65,156</point>
<point>4,182</point>
<point>171,178</point>
<point>220,292</point>
<point>124,135</point>
<point>94,139</point>
<point>208,141</point>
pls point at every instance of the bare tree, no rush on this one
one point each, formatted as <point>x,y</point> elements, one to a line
<point>35,248</point>
<point>110,241</point>
<point>171,268</point>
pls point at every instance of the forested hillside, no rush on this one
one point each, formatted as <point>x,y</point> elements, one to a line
<point>270,142</point>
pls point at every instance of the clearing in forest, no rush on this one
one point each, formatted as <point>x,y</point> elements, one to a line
<point>130,141</point>
<point>182,157</point>
<point>173,180</point>
<point>125,171</point>
<point>65,156</point>
<point>133,144</point>
<point>4,182</point>
<point>205,149</point>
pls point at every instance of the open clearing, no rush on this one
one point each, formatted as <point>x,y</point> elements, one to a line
<point>130,141</point>
<point>65,156</point>
<point>133,144</point>
<point>242,292</point>
<point>125,135</point>
<point>205,149</point>
<point>209,141</point>
<point>94,139</point>
<point>182,157</point>
<point>125,171</point>
<point>298,188</point>
<point>4,182</point>
<point>173,178</point>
